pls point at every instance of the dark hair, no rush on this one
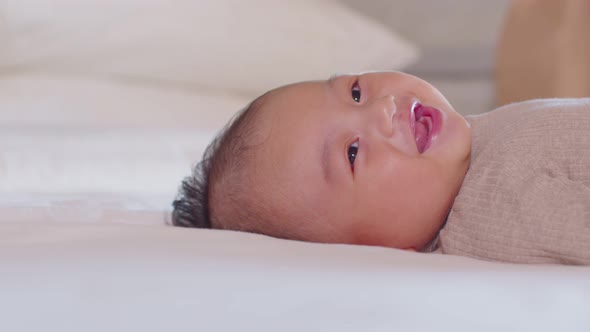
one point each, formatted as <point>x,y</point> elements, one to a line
<point>225,156</point>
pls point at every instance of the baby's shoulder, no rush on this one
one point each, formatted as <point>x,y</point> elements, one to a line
<point>532,111</point>
<point>533,138</point>
<point>532,125</point>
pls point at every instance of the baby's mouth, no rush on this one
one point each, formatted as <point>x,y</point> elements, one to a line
<point>426,124</point>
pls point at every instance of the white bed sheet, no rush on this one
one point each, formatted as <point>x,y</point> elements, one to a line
<point>95,277</point>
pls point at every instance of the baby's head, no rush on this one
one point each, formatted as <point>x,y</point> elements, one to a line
<point>374,159</point>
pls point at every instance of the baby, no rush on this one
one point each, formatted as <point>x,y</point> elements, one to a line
<point>383,159</point>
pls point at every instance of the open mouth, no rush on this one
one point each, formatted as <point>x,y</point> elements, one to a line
<point>426,125</point>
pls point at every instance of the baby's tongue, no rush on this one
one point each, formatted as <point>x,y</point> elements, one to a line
<point>421,134</point>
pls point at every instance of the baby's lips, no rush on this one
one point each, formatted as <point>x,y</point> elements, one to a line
<point>430,119</point>
<point>406,115</point>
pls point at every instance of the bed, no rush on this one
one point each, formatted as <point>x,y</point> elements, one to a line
<point>106,105</point>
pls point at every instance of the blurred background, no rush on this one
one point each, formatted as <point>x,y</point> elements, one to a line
<point>456,39</point>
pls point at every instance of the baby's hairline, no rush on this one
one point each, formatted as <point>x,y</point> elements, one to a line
<point>235,157</point>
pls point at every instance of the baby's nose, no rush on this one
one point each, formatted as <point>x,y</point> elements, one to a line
<point>383,111</point>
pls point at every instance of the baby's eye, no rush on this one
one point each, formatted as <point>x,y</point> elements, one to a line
<point>355,91</point>
<point>353,150</point>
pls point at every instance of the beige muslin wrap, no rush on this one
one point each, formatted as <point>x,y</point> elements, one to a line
<point>526,196</point>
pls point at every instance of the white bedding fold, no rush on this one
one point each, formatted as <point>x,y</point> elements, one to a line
<point>80,161</point>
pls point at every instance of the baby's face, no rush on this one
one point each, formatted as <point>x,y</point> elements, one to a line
<point>373,159</point>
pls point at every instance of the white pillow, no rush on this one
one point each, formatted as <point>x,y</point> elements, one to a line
<point>37,101</point>
<point>246,46</point>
